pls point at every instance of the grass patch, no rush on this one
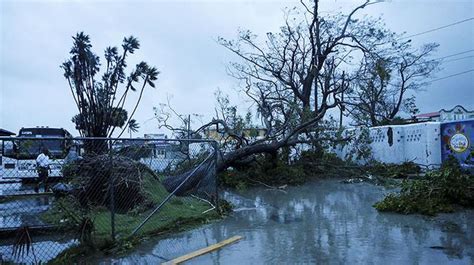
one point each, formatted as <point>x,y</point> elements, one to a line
<point>179,213</point>
<point>122,246</point>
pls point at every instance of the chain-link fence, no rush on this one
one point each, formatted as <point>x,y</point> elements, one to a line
<point>57,194</point>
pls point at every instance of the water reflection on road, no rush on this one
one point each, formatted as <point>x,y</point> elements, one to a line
<point>22,211</point>
<point>323,222</point>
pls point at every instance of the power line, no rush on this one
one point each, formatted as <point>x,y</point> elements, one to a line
<point>437,79</point>
<point>457,59</point>
<point>442,27</point>
<point>441,78</point>
<point>447,56</point>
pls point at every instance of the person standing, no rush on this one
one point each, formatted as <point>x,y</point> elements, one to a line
<point>42,165</point>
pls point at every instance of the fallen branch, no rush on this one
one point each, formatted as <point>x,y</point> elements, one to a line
<point>208,210</point>
<point>206,201</point>
<point>268,186</point>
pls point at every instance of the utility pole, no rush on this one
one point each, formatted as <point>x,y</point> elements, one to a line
<point>189,126</point>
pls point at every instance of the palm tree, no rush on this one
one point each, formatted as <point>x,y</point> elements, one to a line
<point>133,126</point>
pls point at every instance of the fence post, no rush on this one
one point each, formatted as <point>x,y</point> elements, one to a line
<point>216,179</point>
<point>112,195</point>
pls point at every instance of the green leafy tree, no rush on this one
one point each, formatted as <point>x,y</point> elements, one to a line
<point>100,102</point>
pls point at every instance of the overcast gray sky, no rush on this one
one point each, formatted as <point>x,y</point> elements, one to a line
<point>179,37</point>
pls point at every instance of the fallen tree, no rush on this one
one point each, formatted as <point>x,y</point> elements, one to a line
<point>202,176</point>
<point>292,78</point>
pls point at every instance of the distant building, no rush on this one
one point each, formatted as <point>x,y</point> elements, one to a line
<point>154,150</point>
<point>155,136</point>
<point>430,116</point>
<point>455,114</point>
<point>5,132</point>
<point>255,133</point>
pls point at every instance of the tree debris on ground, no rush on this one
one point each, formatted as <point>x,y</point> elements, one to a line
<point>95,179</point>
<point>440,190</point>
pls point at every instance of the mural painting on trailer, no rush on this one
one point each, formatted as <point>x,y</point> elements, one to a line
<point>457,141</point>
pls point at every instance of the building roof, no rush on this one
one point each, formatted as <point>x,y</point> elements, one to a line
<point>438,113</point>
<point>248,128</point>
<point>428,115</point>
<point>5,132</point>
<point>457,106</point>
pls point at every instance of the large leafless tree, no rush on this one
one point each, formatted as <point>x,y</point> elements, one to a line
<point>295,76</point>
<point>380,92</point>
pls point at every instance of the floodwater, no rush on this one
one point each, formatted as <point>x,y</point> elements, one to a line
<point>25,211</point>
<point>324,222</point>
<point>22,211</point>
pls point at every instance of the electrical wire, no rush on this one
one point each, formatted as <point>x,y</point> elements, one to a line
<point>457,59</point>
<point>459,53</point>
<point>438,28</point>
<point>449,76</point>
<point>447,56</point>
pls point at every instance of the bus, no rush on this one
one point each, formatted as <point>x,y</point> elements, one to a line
<point>18,154</point>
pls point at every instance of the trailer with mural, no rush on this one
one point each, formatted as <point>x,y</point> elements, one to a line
<point>427,143</point>
<point>457,141</point>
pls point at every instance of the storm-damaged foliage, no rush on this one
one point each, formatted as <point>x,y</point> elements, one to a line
<point>275,172</point>
<point>135,152</point>
<point>439,191</point>
<point>96,179</point>
<point>294,77</point>
<point>263,172</point>
<point>315,164</point>
<point>379,93</point>
<point>388,170</point>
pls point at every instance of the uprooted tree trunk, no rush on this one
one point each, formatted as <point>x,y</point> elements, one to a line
<point>201,177</point>
<point>99,178</point>
<point>241,155</point>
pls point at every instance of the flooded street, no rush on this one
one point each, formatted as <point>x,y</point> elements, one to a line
<point>25,211</point>
<point>323,222</point>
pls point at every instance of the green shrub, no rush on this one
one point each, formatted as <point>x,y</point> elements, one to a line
<point>393,170</point>
<point>322,164</point>
<point>273,171</point>
<point>266,173</point>
<point>440,191</point>
<point>136,152</point>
